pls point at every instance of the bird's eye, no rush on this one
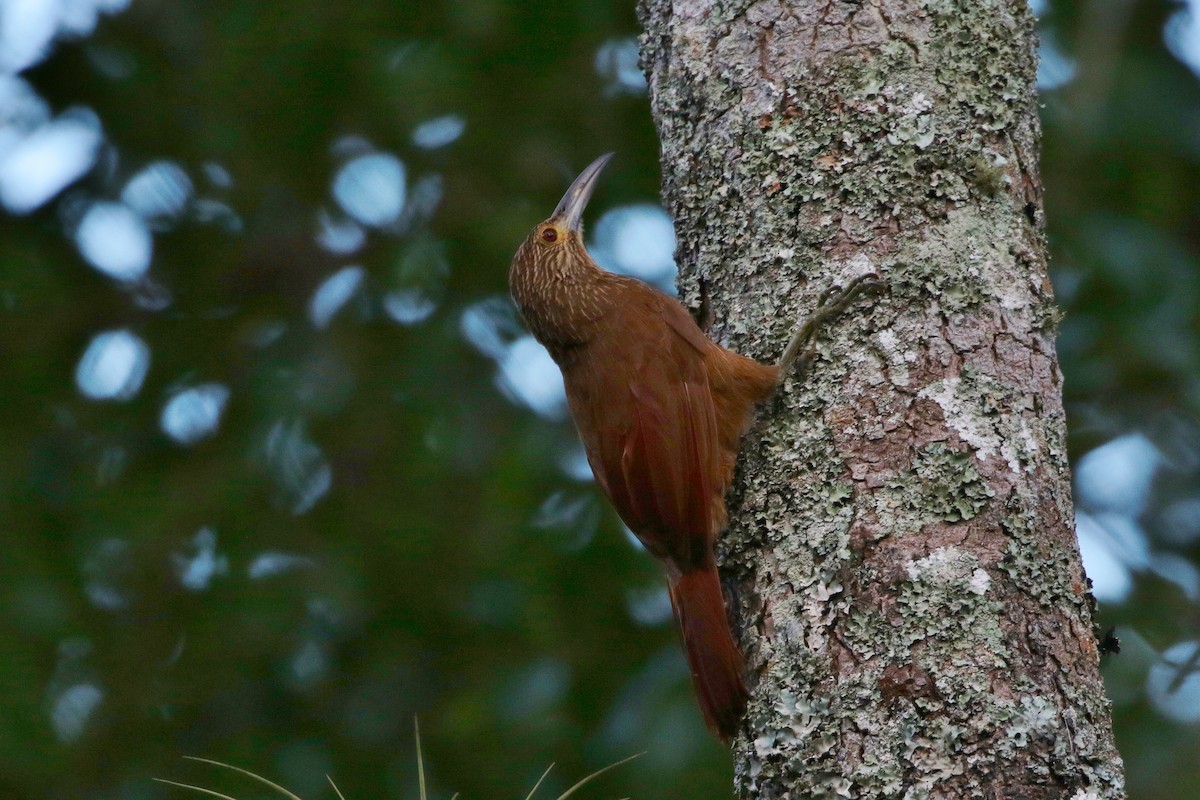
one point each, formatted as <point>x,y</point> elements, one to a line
<point>550,235</point>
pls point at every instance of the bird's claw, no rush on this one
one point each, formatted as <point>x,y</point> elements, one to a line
<point>838,298</point>
<point>831,302</point>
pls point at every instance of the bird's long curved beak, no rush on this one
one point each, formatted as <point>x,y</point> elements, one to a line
<point>570,209</point>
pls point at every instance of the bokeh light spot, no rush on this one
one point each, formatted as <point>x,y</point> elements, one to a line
<point>194,413</point>
<point>409,306</point>
<point>1173,683</point>
<point>573,515</point>
<point>371,189</point>
<point>1182,34</point>
<point>617,62</point>
<point>439,131</point>
<point>1181,522</point>
<point>196,568</point>
<point>115,240</point>
<point>113,366</point>
<point>49,159</point>
<point>1112,580</point>
<point>529,376</point>
<point>1116,476</point>
<point>272,563</point>
<point>637,240</point>
<point>536,689</point>
<point>491,326</point>
<point>27,28</point>
<point>301,471</point>
<point>104,570</point>
<point>339,235</point>
<point>72,709</point>
<point>1055,68</point>
<point>333,293</point>
<point>160,191</point>
<point>308,664</point>
<point>649,606</point>
<point>575,465</point>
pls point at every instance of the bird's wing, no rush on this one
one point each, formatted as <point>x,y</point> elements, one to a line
<point>649,427</point>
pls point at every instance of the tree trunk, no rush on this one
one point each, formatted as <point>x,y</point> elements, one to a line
<point>901,557</point>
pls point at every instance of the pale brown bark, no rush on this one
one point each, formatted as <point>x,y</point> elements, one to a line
<point>901,553</point>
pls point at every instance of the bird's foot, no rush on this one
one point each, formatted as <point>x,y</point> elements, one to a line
<point>832,303</point>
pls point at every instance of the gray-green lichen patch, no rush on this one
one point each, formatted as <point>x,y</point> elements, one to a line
<point>962,263</point>
<point>946,629</point>
<point>944,605</point>
<point>817,546</point>
<point>983,59</point>
<point>1040,567</point>
<point>1032,717</point>
<point>860,632</point>
<point>942,485</point>
<point>987,415</point>
<point>795,719</point>
<point>870,132</point>
<point>926,748</point>
<point>950,568</point>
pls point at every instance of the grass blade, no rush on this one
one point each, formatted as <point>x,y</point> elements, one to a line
<point>539,781</point>
<point>596,774</point>
<point>420,761</point>
<point>264,781</point>
<point>199,789</point>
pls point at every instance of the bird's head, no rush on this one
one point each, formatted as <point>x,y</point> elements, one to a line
<point>560,236</point>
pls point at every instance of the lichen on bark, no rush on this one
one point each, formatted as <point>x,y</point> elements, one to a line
<point>901,553</point>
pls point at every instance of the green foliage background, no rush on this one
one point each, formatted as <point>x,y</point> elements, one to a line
<point>435,579</point>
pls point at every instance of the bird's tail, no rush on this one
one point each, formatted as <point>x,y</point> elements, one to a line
<point>714,659</point>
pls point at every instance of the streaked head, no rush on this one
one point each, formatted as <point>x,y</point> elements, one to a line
<point>555,283</point>
<point>564,227</point>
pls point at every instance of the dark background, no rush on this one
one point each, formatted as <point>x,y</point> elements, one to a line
<point>311,480</point>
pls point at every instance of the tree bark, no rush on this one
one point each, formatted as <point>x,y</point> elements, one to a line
<point>901,559</point>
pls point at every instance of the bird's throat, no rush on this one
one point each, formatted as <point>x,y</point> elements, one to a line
<point>562,300</point>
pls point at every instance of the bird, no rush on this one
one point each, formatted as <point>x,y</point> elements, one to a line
<point>661,410</point>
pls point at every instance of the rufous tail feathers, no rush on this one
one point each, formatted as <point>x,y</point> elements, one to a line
<point>713,656</point>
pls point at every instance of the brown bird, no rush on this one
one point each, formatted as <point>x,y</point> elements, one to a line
<point>661,410</point>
